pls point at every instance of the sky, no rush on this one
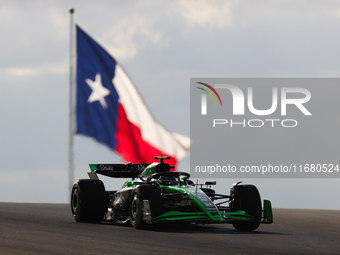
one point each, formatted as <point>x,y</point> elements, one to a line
<point>161,45</point>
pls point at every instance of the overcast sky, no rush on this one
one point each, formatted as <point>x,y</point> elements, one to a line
<point>161,44</point>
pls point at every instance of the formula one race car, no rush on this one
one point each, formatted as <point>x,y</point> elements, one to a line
<point>157,195</point>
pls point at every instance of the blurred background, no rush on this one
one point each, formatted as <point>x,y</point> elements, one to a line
<point>161,45</point>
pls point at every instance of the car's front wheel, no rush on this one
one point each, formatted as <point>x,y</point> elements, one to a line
<point>247,198</point>
<point>144,192</point>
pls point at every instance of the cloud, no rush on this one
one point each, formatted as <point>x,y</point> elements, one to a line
<point>59,20</point>
<point>204,13</point>
<point>208,14</point>
<point>130,35</point>
<point>8,10</point>
<point>52,68</point>
<point>126,38</point>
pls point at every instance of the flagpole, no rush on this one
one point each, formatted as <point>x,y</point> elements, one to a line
<point>71,113</point>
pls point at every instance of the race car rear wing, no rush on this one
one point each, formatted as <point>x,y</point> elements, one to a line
<point>128,170</point>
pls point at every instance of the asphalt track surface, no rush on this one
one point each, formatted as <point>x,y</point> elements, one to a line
<point>50,229</point>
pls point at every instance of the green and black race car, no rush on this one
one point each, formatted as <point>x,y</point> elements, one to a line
<point>157,195</point>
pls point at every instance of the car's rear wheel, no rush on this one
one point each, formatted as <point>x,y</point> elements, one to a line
<point>88,201</point>
<point>144,192</point>
<point>246,198</point>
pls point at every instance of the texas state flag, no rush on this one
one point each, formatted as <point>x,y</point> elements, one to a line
<point>110,109</point>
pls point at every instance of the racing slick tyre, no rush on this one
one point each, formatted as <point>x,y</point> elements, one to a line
<point>247,198</point>
<point>88,201</point>
<point>151,193</point>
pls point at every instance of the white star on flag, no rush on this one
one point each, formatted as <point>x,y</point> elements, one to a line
<point>98,91</point>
